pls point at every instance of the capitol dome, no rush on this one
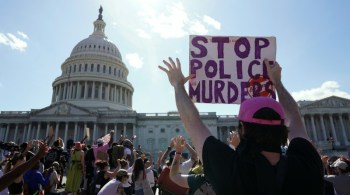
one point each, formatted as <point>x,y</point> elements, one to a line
<point>94,76</point>
<point>97,44</point>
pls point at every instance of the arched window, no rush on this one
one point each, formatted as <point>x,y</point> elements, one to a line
<point>104,68</point>
<point>92,68</point>
<point>98,68</point>
<point>110,70</point>
<point>75,68</point>
<point>79,67</point>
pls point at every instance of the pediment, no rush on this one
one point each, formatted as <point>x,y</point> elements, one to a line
<point>329,102</point>
<point>62,109</point>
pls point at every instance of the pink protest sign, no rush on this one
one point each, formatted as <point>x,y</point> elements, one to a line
<point>229,69</point>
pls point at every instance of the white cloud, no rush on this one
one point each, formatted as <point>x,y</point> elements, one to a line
<point>143,34</point>
<point>175,22</point>
<point>22,34</point>
<point>328,88</point>
<point>12,41</point>
<point>197,28</point>
<point>134,60</point>
<point>212,22</point>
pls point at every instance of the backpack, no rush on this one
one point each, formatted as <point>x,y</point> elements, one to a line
<point>117,153</point>
<point>97,183</point>
<point>51,155</point>
<point>206,189</point>
<point>168,186</point>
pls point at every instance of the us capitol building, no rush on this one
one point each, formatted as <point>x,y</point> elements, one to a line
<point>93,92</point>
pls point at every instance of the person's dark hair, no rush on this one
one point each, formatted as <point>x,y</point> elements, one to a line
<point>138,167</point>
<point>123,163</point>
<point>101,164</point>
<point>268,135</point>
<point>56,143</point>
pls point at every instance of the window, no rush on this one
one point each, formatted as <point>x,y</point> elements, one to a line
<point>75,68</point>
<point>150,144</point>
<point>79,67</point>
<point>98,68</point>
<point>177,130</point>
<point>104,68</point>
<point>86,66</point>
<point>103,92</point>
<point>89,95</point>
<point>162,130</point>
<point>150,130</point>
<point>163,143</point>
<point>70,69</point>
<point>110,70</point>
<point>92,68</point>
<point>115,71</point>
<point>82,91</point>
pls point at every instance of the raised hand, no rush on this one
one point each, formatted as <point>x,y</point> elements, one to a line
<point>233,139</point>
<point>175,76</point>
<point>179,144</point>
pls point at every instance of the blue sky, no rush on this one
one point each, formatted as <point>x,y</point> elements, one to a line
<point>37,36</point>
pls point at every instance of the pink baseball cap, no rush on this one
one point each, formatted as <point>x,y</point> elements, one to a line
<point>250,106</point>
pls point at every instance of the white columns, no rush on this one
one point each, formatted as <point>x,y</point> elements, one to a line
<point>85,90</point>
<point>115,96</point>
<point>29,132</point>
<point>107,92</point>
<point>78,90</point>
<point>64,91</point>
<point>59,91</point>
<point>38,130</point>
<point>93,90</point>
<point>120,95</point>
<point>24,132</point>
<point>15,136</point>
<point>100,91</point>
<point>323,128</point>
<point>94,133</point>
<point>7,132</point>
<point>75,132</point>
<point>66,131</point>
<point>56,131</point>
<point>313,129</point>
<point>133,130</point>
<point>106,128</point>
<point>115,132</point>
<point>343,129</point>
<point>334,135</point>
<point>47,129</point>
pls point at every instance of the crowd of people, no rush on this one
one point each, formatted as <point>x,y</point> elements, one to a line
<point>270,153</point>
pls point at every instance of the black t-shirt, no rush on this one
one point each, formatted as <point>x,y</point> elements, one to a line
<point>234,172</point>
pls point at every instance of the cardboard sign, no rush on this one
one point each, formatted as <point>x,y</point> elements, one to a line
<point>229,69</point>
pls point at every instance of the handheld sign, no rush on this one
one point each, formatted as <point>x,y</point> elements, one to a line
<point>230,69</point>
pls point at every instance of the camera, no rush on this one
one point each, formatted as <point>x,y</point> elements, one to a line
<point>10,146</point>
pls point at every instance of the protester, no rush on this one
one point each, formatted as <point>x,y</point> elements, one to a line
<point>17,159</point>
<point>54,178</point>
<point>76,169</point>
<point>9,177</point>
<point>115,186</point>
<point>101,149</point>
<point>191,181</point>
<point>257,166</point>
<point>34,180</point>
<point>340,181</point>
